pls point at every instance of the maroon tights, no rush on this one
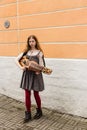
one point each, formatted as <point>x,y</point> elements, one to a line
<point>28,99</point>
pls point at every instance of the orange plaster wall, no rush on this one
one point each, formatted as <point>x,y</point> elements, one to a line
<point>8,49</point>
<point>61,27</point>
<point>65,50</point>
<point>8,10</point>
<point>13,24</point>
<point>70,34</point>
<point>55,19</point>
<point>62,50</point>
<point>2,2</point>
<point>38,6</point>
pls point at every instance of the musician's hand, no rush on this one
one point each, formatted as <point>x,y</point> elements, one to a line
<point>27,66</point>
<point>23,68</point>
<point>37,72</point>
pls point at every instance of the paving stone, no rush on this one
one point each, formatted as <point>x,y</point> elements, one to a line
<point>12,114</point>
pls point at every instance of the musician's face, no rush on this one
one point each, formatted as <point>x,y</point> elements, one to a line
<point>32,43</point>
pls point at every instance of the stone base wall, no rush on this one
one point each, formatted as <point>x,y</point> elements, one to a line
<point>65,88</point>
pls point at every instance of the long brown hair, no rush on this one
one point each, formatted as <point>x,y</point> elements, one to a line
<point>37,46</point>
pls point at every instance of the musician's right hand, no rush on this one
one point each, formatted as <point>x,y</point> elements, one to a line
<point>23,68</point>
<point>37,72</point>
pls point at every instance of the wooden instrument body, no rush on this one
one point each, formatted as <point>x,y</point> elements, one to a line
<point>32,65</point>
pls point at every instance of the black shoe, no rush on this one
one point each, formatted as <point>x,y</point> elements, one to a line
<point>38,113</point>
<point>27,116</point>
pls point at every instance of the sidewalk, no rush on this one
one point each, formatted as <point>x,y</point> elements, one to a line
<point>12,114</point>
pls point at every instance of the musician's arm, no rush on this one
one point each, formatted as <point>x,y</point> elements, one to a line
<point>17,61</point>
<point>41,62</point>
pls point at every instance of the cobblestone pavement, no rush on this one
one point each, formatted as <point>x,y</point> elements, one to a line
<point>12,114</point>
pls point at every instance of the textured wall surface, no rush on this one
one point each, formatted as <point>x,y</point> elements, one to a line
<point>65,89</point>
<point>59,25</point>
